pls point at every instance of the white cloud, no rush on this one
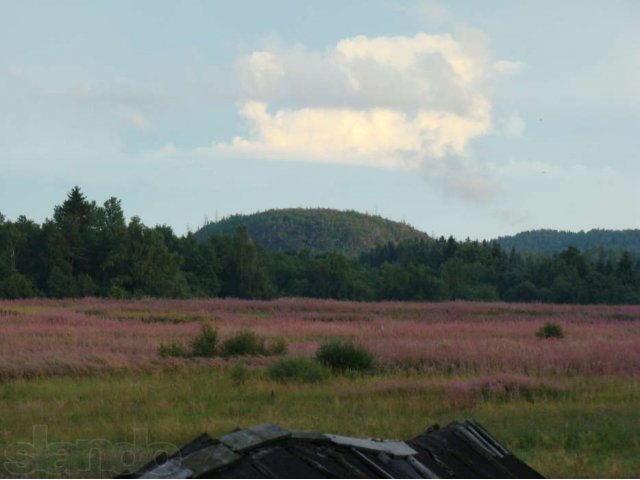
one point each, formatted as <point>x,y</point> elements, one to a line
<point>375,137</point>
<point>390,102</point>
<point>264,69</point>
<point>378,137</point>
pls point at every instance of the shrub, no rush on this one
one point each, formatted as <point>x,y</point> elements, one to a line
<point>344,355</point>
<point>204,344</point>
<point>173,349</point>
<point>550,330</point>
<point>300,369</point>
<point>246,342</point>
<point>116,291</point>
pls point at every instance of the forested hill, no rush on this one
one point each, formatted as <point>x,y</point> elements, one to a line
<point>87,249</point>
<point>320,230</point>
<point>551,241</point>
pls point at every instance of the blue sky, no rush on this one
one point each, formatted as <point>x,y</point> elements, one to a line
<point>467,118</point>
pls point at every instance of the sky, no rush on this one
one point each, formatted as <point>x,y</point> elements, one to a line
<point>471,119</point>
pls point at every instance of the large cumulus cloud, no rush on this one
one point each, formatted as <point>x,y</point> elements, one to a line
<point>392,102</point>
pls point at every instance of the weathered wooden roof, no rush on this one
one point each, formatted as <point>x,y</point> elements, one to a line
<point>459,450</point>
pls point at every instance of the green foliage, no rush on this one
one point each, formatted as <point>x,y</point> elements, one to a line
<point>408,282</point>
<point>320,230</point>
<point>550,330</point>
<point>524,291</point>
<point>344,355</point>
<point>61,284</point>
<point>297,369</point>
<point>91,250</point>
<point>555,241</point>
<point>204,344</point>
<point>246,342</point>
<point>16,285</point>
<point>116,291</point>
<point>173,349</point>
<point>152,269</point>
<point>244,274</point>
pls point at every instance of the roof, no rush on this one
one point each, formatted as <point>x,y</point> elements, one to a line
<point>459,450</point>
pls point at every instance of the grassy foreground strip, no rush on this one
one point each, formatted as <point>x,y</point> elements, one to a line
<point>97,426</point>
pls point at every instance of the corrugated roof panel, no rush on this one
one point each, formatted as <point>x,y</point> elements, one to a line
<point>395,448</point>
<point>170,469</point>
<point>253,437</point>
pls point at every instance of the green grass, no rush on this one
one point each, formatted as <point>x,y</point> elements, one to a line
<point>591,430</point>
<point>297,369</point>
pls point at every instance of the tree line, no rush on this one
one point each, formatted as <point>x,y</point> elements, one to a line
<point>87,249</point>
<point>554,241</point>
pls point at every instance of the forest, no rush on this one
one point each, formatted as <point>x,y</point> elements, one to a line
<point>550,241</point>
<point>320,230</point>
<point>87,249</point>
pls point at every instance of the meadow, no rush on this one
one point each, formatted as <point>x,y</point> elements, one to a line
<point>84,391</point>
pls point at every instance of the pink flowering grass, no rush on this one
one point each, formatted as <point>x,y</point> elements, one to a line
<point>76,337</point>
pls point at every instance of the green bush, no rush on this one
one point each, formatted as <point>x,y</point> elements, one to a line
<point>173,349</point>
<point>344,355</point>
<point>204,344</point>
<point>246,342</point>
<point>550,330</point>
<point>298,369</point>
<point>116,291</point>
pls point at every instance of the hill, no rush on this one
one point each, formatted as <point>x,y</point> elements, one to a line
<point>548,241</point>
<point>318,229</point>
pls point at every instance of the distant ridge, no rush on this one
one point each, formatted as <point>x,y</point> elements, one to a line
<point>318,229</point>
<point>549,241</point>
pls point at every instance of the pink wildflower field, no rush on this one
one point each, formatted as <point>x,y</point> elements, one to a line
<point>76,337</point>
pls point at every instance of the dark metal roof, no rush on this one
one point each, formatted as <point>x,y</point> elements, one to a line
<point>459,450</point>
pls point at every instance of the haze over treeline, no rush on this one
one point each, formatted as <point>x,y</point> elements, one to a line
<point>87,249</point>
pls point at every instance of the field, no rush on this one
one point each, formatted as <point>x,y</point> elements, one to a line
<point>84,391</point>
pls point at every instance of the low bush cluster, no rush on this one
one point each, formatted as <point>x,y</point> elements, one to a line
<point>246,342</point>
<point>550,330</point>
<point>205,344</point>
<point>344,355</point>
<point>341,356</point>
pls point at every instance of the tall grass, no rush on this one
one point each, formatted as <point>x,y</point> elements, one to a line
<point>46,337</point>
<point>590,430</point>
<point>568,407</point>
